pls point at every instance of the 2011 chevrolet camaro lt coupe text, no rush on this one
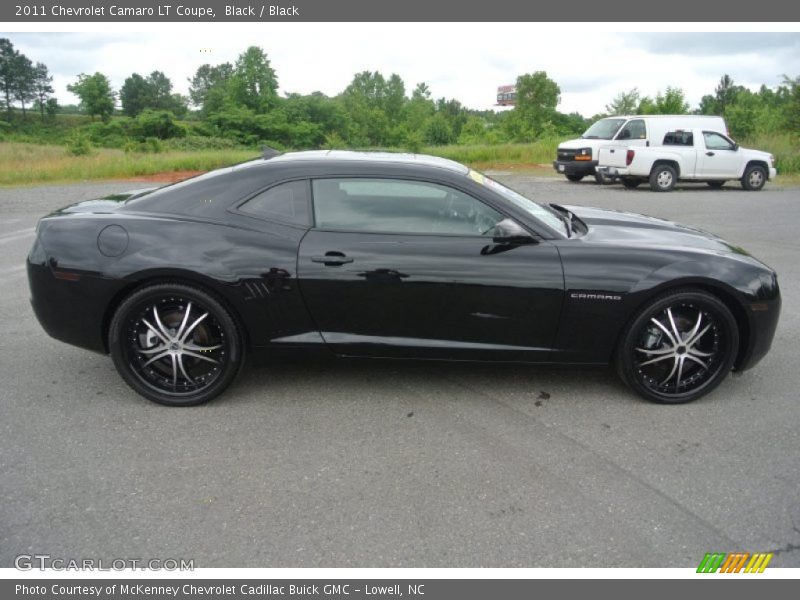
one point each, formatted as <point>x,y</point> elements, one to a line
<point>390,256</point>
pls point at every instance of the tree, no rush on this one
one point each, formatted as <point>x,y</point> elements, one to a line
<point>253,83</point>
<point>133,95</point>
<point>725,93</point>
<point>646,106</point>
<point>207,87</point>
<point>154,92</point>
<point>42,86</point>
<point>8,64</point>
<point>23,81</point>
<point>792,108</point>
<point>624,103</point>
<point>95,93</point>
<point>51,107</point>
<point>537,98</point>
<point>394,97</point>
<point>671,102</point>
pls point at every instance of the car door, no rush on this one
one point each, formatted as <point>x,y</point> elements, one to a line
<point>399,267</point>
<point>721,158</point>
<point>634,133</point>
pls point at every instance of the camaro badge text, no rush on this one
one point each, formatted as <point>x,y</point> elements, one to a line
<point>594,296</point>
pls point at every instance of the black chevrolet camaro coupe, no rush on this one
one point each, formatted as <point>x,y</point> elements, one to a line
<point>390,256</point>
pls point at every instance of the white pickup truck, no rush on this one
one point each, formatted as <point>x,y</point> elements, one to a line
<point>691,155</point>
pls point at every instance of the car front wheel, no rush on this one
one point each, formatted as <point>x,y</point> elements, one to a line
<point>679,347</point>
<point>175,344</point>
<point>755,177</point>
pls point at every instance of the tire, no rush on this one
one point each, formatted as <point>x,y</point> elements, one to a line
<point>629,183</point>
<point>599,179</point>
<point>175,344</point>
<point>663,178</point>
<point>650,363</point>
<point>715,184</point>
<point>754,178</point>
<point>573,177</point>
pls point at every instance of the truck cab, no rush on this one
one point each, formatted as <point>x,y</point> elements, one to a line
<point>692,155</point>
<point>578,158</point>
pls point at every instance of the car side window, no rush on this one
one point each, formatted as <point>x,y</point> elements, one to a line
<point>633,130</point>
<point>679,138</point>
<point>399,206</point>
<point>286,202</point>
<point>715,141</point>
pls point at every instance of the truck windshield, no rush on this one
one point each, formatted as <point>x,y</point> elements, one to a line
<point>604,129</point>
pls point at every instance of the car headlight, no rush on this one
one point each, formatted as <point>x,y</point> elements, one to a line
<point>583,154</point>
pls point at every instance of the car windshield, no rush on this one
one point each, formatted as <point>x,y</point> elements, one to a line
<point>534,209</point>
<point>604,129</point>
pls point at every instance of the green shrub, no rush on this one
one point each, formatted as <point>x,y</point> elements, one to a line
<point>199,142</point>
<point>78,144</point>
<point>158,124</point>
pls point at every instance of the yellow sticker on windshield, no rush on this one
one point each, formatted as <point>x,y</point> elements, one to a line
<point>475,176</point>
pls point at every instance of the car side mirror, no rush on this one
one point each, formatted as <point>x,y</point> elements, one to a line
<point>508,231</point>
<point>735,146</point>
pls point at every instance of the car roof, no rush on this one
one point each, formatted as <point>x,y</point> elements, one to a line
<point>397,158</point>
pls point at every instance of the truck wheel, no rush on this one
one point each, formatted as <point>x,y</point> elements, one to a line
<point>631,183</point>
<point>715,184</point>
<point>663,178</point>
<point>598,177</point>
<point>574,177</point>
<point>755,176</point>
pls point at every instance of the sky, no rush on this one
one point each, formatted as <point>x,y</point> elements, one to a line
<point>466,61</point>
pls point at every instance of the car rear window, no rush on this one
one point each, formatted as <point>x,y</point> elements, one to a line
<point>287,202</point>
<point>679,138</point>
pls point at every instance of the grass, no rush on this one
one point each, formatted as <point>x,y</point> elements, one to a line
<point>485,156</point>
<point>27,164</point>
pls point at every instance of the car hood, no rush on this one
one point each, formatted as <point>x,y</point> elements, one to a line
<point>765,156</point>
<point>631,229</point>
<point>103,205</point>
<point>583,143</point>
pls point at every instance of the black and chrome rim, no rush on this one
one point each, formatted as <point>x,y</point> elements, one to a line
<point>680,350</point>
<point>176,345</point>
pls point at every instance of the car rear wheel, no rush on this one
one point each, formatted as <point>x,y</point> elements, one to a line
<point>631,183</point>
<point>175,344</point>
<point>755,177</point>
<point>663,178</point>
<point>679,347</point>
<point>573,177</point>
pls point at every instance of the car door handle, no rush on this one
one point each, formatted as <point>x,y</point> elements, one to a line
<point>709,154</point>
<point>332,260</point>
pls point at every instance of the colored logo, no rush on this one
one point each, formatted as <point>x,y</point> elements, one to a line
<point>735,562</point>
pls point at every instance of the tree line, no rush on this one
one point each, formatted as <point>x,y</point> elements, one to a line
<point>239,102</point>
<point>768,111</point>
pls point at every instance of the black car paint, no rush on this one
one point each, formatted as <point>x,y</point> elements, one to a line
<point>454,297</point>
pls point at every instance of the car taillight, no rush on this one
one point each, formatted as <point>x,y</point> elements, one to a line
<point>629,158</point>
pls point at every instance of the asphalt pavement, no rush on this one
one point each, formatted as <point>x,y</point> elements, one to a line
<point>387,464</point>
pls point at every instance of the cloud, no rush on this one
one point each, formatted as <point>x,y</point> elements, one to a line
<point>705,44</point>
